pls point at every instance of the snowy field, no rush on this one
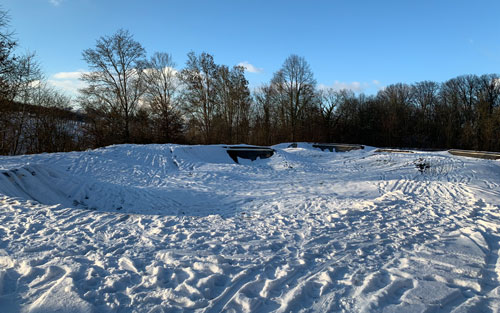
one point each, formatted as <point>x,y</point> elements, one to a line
<point>168,228</point>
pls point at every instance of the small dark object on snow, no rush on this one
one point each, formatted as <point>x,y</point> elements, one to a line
<point>292,145</point>
<point>422,165</point>
<point>249,152</point>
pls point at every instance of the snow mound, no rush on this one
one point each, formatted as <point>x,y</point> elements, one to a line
<point>171,228</point>
<point>129,178</point>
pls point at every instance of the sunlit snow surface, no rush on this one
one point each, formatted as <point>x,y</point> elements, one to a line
<point>168,228</point>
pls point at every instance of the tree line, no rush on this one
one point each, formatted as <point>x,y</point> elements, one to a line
<point>34,117</point>
<point>132,98</point>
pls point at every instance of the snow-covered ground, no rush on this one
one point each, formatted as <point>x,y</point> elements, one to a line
<point>168,228</point>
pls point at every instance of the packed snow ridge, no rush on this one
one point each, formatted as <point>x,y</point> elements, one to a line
<point>169,228</point>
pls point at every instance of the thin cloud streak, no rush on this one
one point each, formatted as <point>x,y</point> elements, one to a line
<point>68,82</point>
<point>69,75</point>
<point>354,86</point>
<point>56,2</point>
<point>250,67</point>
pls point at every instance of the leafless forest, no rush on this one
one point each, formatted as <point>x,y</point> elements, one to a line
<point>135,97</point>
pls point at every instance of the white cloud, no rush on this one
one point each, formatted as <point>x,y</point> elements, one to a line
<point>250,67</point>
<point>56,2</point>
<point>167,70</point>
<point>69,75</point>
<point>354,86</point>
<point>67,82</point>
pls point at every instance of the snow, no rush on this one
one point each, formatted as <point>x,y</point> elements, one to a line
<point>170,228</point>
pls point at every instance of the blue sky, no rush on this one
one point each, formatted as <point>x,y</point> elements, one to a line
<point>363,45</point>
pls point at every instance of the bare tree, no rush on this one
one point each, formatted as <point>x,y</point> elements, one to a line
<point>233,103</point>
<point>116,65</point>
<point>488,125</point>
<point>329,101</point>
<point>426,98</point>
<point>295,85</point>
<point>199,92</point>
<point>26,88</point>
<point>33,116</point>
<point>397,102</point>
<point>49,129</point>
<point>426,95</point>
<point>242,101</point>
<point>38,119</point>
<point>7,44</point>
<point>265,120</point>
<point>25,80</point>
<point>161,92</point>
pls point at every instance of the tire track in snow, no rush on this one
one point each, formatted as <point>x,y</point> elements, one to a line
<point>345,248</point>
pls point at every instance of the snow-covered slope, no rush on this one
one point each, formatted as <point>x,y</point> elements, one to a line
<point>168,228</point>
